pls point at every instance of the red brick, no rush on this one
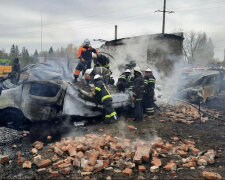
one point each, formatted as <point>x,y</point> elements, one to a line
<point>4,159</point>
<point>170,166</point>
<point>88,168</point>
<point>211,175</point>
<point>79,155</point>
<point>92,158</point>
<point>190,164</point>
<point>58,151</point>
<point>127,171</point>
<point>54,173</point>
<point>27,164</point>
<point>66,171</point>
<point>141,168</point>
<point>154,169</point>
<point>80,147</point>
<point>156,162</point>
<point>38,145</point>
<point>55,165</point>
<point>49,137</point>
<point>72,151</point>
<point>64,165</point>
<point>169,146</point>
<point>131,127</point>
<point>20,160</point>
<point>182,153</point>
<point>64,148</point>
<point>105,163</point>
<point>44,163</point>
<point>76,162</point>
<point>34,151</point>
<point>99,166</point>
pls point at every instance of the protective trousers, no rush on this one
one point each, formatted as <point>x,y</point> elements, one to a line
<point>148,103</point>
<point>138,111</point>
<point>109,110</point>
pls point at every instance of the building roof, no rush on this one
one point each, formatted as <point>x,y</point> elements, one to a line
<point>178,36</point>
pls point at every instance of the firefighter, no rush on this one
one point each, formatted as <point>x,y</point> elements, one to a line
<point>101,61</point>
<point>138,90</point>
<point>148,100</point>
<point>15,74</point>
<point>85,55</point>
<point>102,95</point>
<point>102,71</point>
<point>123,81</point>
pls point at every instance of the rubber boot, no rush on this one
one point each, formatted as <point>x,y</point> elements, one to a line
<point>75,78</point>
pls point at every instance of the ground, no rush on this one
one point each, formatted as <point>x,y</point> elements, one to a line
<point>208,135</point>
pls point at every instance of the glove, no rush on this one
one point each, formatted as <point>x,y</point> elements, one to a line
<point>133,99</point>
<point>82,59</point>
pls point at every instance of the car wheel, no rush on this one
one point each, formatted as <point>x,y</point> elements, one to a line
<point>13,118</point>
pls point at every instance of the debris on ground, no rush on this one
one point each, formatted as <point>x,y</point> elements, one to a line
<point>92,153</point>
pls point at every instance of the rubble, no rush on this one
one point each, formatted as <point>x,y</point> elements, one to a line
<point>4,159</point>
<point>211,175</point>
<point>92,154</point>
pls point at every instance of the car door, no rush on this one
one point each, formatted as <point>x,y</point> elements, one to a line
<point>41,100</point>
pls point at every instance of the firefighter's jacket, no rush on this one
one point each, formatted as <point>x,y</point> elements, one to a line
<point>101,61</point>
<point>102,71</point>
<point>101,93</point>
<point>138,88</point>
<point>124,78</point>
<point>149,85</point>
<point>85,53</point>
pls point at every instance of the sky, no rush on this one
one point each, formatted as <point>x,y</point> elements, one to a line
<point>72,21</point>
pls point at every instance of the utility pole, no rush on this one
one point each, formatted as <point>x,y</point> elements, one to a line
<point>164,16</point>
<point>115,32</point>
<point>41,33</point>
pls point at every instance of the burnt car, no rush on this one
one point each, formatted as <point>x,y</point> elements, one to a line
<point>40,100</point>
<point>200,86</point>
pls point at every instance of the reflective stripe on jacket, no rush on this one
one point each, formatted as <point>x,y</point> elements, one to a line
<point>101,92</point>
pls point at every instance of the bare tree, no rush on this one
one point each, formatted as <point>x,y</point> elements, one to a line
<point>198,47</point>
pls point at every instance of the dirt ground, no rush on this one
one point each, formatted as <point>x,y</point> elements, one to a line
<point>208,135</point>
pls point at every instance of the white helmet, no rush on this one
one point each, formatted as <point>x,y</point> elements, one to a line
<point>138,69</point>
<point>88,71</point>
<point>97,76</point>
<point>127,71</point>
<point>148,70</point>
<point>94,56</point>
<point>86,42</point>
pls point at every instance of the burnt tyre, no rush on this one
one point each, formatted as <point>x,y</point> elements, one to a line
<point>14,118</point>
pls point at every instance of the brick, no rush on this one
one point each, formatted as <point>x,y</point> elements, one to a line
<point>156,162</point>
<point>42,163</point>
<point>127,171</point>
<point>162,121</point>
<point>85,173</point>
<point>79,155</point>
<point>202,162</point>
<point>64,148</point>
<point>49,137</point>
<point>54,173</point>
<point>169,146</point>
<point>190,164</point>
<point>184,147</point>
<point>101,130</point>
<point>27,164</point>
<point>141,153</point>
<point>72,151</point>
<point>20,160</point>
<point>19,153</point>
<point>175,138</point>
<point>194,150</point>
<point>119,146</point>
<point>55,158</point>
<point>99,166</point>
<point>38,145</point>
<point>80,147</point>
<point>66,171</point>
<point>84,162</point>
<point>105,163</point>
<point>88,168</point>
<point>154,169</point>
<point>170,166</point>
<point>211,175</point>
<point>130,165</point>
<point>76,162</point>
<point>64,165</point>
<point>41,171</point>
<point>58,151</point>
<point>34,151</point>
<point>55,165</point>
<point>4,159</point>
<point>157,145</point>
<point>92,158</point>
<point>142,168</point>
<point>182,153</point>
<point>131,127</point>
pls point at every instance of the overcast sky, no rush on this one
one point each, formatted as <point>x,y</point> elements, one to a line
<point>72,21</point>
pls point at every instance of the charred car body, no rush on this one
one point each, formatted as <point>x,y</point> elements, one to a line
<point>200,86</point>
<point>43,95</point>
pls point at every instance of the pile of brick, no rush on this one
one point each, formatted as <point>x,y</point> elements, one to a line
<point>93,153</point>
<point>184,114</point>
